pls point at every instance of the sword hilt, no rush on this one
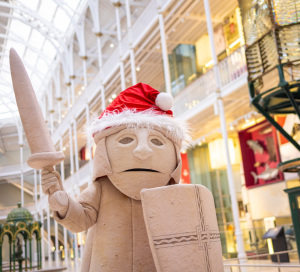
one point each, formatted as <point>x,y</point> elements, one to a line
<point>47,160</point>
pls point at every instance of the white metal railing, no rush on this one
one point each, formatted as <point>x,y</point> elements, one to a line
<point>242,262</point>
<point>79,178</point>
<point>145,21</point>
<point>14,169</point>
<point>233,66</point>
<point>193,94</point>
<point>230,69</point>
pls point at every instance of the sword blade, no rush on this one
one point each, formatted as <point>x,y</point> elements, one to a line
<point>34,125</point>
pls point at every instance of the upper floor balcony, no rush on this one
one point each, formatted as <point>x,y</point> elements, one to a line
<point>194,103</point>
<point>220,78</point>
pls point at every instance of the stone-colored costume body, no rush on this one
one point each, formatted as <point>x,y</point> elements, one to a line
<point>117,239</point>
<point>138,147</point>
<point>110,208</point>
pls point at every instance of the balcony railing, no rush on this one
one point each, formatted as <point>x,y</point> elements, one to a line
<point>14,169</point>
<point>230,69</point>
<point>143,23</point>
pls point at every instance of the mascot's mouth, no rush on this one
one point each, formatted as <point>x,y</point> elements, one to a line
<point>141,170</point>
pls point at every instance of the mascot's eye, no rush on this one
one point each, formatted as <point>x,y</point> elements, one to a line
<point>156,142</point>
<point>126,140</point>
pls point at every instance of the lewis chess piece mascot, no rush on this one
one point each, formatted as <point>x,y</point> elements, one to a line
<point>137,215</point>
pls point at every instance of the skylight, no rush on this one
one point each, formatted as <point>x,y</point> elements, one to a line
<point>32,31</point>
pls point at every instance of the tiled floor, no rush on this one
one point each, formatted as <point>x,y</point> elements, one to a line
<point>263,269</point>
<point>72,266</point>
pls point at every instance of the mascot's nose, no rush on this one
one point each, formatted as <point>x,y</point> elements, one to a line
<point>143,151</point>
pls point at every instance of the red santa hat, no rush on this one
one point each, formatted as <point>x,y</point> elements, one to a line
<point>141,106</point>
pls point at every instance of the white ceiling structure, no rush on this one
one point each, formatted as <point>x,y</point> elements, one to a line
<point>44,32</point>
<point>46,35</point>
<point>37,30</point>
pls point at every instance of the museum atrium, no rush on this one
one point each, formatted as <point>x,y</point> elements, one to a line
<point>214,57</point>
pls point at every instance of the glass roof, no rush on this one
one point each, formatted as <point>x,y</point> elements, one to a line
<point>37,30</point>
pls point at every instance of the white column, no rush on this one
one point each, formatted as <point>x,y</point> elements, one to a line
<point>89,146</point>
<point>44,107</point>
<point>35,186</point>
<point>133,69</point>
<point>81,246</point>
<point>75,241</point>
<point>99,48</point>
<point>59,109</point>
<point>62,165</point>
<point>71,150</point>
<point>72,90</point>
<point>56,80</point>
<point>234,203</point>
<point>49,234</point>
<point>122,74</point>
<point>131,51</point>
<point>94,8</point>
<point>211,41</point>
<point>77,168</point>
<point>84,71</point>
<point>165,53</point>
<point>40,177</point>
<point>66,247</point>
<point>76,250</point>
<point>56,242</point>
<point>117,10</point>
<point>68,95</point>
<point>51,122</point>
<point>71,70</point>
<point>102,89</point>
<point>42,240</point>
<point>22,175</point>
<point>119,36</point>
<point>101,70</point>
<point>128,14</point>
<point>50,107</point>
<point>75,145</point>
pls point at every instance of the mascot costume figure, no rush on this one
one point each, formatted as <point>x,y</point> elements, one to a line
<point>138,216</point>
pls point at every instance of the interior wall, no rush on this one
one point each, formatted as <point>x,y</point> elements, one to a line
<point>268,201</point>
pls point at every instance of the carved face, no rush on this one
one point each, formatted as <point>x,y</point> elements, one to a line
<point>140,158</point>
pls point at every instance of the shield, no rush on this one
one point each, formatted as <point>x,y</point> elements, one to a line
<point>182,228</point>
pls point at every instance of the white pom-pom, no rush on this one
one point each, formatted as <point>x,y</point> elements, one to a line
<point>164,101</point>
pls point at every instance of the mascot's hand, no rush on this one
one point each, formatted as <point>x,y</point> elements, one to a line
<point>51,182</point>
<point>52,186</point>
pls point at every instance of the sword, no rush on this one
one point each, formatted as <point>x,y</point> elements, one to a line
<point>43,153</point>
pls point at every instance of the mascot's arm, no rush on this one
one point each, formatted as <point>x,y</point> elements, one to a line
<point>82,212</point>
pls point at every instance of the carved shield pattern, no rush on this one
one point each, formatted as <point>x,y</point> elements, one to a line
<point>182,228</point>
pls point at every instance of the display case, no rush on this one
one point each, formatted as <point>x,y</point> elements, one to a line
<point>260,155</point>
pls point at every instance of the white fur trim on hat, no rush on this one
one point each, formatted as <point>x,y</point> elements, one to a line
<point>164,101</point>
<point>177,128</point>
